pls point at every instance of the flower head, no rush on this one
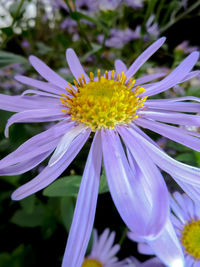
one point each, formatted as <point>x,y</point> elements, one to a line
<point>112,105</point>
<point>186,220</point>
<point>103,251</point>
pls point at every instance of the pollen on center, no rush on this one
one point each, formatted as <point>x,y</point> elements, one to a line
<point>91,263</point>
<point>190,239</point>
<point>103,102</point>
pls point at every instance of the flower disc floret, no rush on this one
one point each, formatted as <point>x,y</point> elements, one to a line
<point>103,103</point>
<point>91,263</point>
<point>190,239</point>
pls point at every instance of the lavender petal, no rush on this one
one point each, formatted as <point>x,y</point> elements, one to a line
<point>84,213</point>
<point>49,174</point>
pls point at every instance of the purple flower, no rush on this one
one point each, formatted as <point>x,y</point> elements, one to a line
<point>186,48</point>
<point>186,221</point>
<point>111,105</point>
<point>103,251</point>
<point>118,38</point>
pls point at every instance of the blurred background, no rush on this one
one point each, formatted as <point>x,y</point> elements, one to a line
<point>34,231</point>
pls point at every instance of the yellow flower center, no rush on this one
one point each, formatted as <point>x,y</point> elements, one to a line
<point>191,239</point>
<point>91,263</point>
<point>103,103</point>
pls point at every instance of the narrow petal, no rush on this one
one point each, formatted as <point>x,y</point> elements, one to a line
<point>84,213</point>
<point>65,143</point>
<point>175,77</point>
<point>48,87</point>
<point>36,115</point>
<point>120,66</point>
<point>46,72</point>
<point>176,134</point>
<point>148,78</point>
<point>167,247</point>
<point>20,103</point>
<point>36,145</point>
<point>75,65</point>
<point>49,174</point>
<point>144,57</point>
<point>191,75</point>
<point>175,168</point>
<point>172,106</point>
<point>24,166</point>
<point>37,92</point>
<point>172,117</point>
<point>155,186</point>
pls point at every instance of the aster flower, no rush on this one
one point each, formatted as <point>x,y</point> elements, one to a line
<point>103,251</point>
<point>109,105</point>
<point>186,221</point>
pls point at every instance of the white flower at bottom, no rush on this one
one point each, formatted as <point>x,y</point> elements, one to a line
<point>103,251</point>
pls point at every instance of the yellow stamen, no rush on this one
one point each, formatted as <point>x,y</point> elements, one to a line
<point>91,76</point>
<point>91,263</point>
<point>104,103</point>
<point>190,239</point>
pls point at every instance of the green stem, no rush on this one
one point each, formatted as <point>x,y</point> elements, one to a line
<point>181,16</point>
<point>82,33</point>
<point>123,236</point>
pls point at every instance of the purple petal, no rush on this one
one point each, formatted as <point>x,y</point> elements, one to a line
<point>120,66</point>
<point>174,105</point>
<point>20,103</point>
<point>143,248</point>
<point>154,262</point>
<point>127,191</point>
<point>37,92</point>
<point>155,187</point>
<point>84,213</point>
<point>48,87</point>
<point>49,174</point>
<point>191,75</point>
<point>65,142</point>
<point>171,132</point>
<point>175,77</point>
<point>24,166</point>
<point>167,247</point>
<point>36,145</point>
<point>148,78</point>
<point>172,117</point>
<point>47,73</point>
<point>75,65</point>
<point>144,57</point>
<point>185,172</point>
<point>36,115</point>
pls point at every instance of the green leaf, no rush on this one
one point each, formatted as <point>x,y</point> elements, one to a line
<point>28,204</point>
<point>103,187</point>
<point>67,210</point>
<point>24,219</point>
<point>7,58</point>
<point>66,186</point>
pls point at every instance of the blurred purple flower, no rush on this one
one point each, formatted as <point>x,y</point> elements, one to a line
<point>152,29</point>
<point>186,48</point>
<point>94,104</point>
<point>7,74</point>
<point>118,38</point>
